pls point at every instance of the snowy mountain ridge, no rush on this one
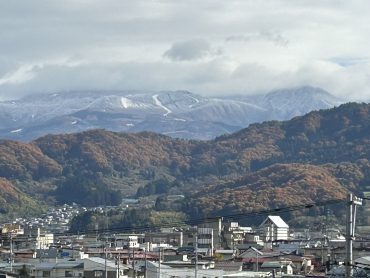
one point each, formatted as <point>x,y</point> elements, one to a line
<point>176,113</point>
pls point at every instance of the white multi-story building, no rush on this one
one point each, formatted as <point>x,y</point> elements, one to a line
<point>274,228</point>
<point>44,240</point>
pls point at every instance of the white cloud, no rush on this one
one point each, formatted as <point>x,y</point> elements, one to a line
<point>21,75</point>
<point>273,37</point>
<point>209,47</point>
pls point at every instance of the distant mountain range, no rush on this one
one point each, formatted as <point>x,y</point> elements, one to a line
<point>179,114</point>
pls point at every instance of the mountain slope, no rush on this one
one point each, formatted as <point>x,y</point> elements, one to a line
<point>13,202</point>
<point>324,152</point>
<point>277,186</point>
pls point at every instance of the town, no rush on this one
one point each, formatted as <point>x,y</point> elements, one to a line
<point>215,247</point>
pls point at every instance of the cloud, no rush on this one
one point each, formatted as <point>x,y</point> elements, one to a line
<point>241,47</point>
<point>189,50</point>
<point>21,75</point>
<point>274,37</point>
<point>212,77</point>
<point>350,61</point>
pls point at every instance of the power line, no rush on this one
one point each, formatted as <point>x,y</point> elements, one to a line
<point>195,221</point>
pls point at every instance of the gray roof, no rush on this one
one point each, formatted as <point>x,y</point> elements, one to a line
<point>229,265</point>
<point>363,262</point>
<point>156,265</point>
<point>274,264</point>
<point>101,261</point>
<point>59,265</point>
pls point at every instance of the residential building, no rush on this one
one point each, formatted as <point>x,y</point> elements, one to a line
<point>96,267</point>
<point>280,267</point>
<point>273,229</point>
<point>209,236</point>
<point>154,271</point>
<point>60,269</point>
<point>172,238</point>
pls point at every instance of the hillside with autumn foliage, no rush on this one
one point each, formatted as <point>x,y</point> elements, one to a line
<point>315,157</point>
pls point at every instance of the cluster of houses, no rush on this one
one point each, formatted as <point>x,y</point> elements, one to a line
<point>56,219</point>
<point>214,248</point>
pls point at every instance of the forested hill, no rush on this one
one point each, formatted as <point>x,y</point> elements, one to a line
<point>98,166</point>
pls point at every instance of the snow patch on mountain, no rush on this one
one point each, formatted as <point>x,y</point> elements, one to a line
<point>196,101</point>
<point>126,103</point>
<point>159,103</point>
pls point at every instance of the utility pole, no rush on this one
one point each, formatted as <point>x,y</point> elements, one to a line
<point>11,251</point>
<point>352,202</point>
<point>105,261</point>
<point>106,244</point>
<point>159,263</point>
<point>133,261</point>
<point>271,234</point>
<point>196,254</point>
<point>118,261</point>
<point>146,265</point>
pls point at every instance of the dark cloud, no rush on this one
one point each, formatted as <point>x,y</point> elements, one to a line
<point>189,50</point>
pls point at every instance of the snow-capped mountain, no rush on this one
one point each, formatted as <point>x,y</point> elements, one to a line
<point>288,103</point>
<point>177,113</point>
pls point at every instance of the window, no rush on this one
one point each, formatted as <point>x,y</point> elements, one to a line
<point>204,246</point>
<point>98,273</point>
<point>46,273</point>
<point>205,236</point>
<point>68,273</point>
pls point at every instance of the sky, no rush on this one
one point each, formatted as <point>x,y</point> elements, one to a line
<point>207,47</point>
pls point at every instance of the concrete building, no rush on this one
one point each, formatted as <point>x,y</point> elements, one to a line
<point>274,228</point>
<point>210,236</point>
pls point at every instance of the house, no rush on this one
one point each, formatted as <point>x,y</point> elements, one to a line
<point>44,255</point>
<point>154,271</point>
<point>10,228</point>
<point>60,269</point>
<point>229,266</point>
<point>95,267</point>
<point>280,267</point>
<point>5,274</point>
<point>127,241</point>
<point>253,258</point>
<point>225,254</point>
<point>173,238</point>
<point>273,229</point>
